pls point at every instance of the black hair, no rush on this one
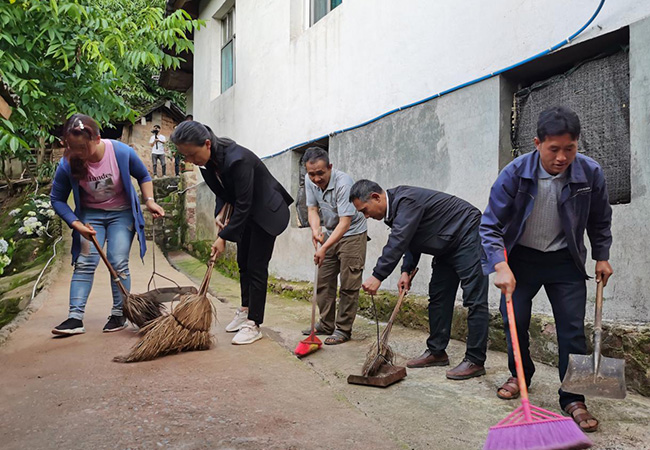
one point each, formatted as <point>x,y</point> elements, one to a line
<point>191,132</point>
<point>556,121</point>
<point>157,126</point>
<point>188,117</point>
<point>313,154</point>
<point>362,190</point>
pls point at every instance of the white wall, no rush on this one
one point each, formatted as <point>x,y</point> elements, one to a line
<point>367,57</point>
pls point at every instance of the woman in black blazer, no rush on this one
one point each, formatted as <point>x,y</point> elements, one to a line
<point>261,212</point>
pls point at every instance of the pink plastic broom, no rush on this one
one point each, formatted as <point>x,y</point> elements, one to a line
<point>529,427</point>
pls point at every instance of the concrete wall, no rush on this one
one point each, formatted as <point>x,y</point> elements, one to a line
<point>305,83</point>
<point>366,57</point>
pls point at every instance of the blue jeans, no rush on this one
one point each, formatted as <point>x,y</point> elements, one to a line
<point>117,228</point>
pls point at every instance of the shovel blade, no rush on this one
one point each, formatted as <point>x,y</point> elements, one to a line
<point>608,381</point>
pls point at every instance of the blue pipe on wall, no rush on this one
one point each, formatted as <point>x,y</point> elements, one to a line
<point>455,88</point>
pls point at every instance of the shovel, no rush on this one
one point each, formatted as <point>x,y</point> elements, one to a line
<point>596,375</point>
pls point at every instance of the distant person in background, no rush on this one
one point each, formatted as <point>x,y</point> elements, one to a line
<point>157,142</point>
<point>98,172</point>
<point>177,156</point>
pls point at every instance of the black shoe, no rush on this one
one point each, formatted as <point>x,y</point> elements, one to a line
<point>115,323</point>
<point>69,327</point>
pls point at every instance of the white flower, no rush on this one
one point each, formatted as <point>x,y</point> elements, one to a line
<point>13,212</point>
<point>4,246</point>
<point>21,230</point>
<point>30,221</point>
<point>31,213</point>
<point>50,213</point>
<point>4,261</point>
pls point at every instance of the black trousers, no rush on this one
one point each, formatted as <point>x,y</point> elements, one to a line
<point>461,266</point>
<point>253,255</point>
<point>565,286</point>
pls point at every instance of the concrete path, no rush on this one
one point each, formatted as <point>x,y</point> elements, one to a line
<point>68,394</point>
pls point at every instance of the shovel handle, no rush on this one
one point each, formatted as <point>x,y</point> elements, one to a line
<point>598,324</point>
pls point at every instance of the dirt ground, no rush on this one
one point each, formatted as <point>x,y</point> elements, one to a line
<point>66,393</point>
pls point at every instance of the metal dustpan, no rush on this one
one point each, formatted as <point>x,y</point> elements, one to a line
<point>596,375</point>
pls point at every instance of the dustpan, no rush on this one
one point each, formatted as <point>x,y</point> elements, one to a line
<point>596,375</point>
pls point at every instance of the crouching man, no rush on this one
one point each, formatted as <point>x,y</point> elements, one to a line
<point>438,224</point>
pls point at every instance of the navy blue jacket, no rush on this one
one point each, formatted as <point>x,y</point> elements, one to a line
<point>584,205</point>
<point>129,164</point>
<point>422,221</point>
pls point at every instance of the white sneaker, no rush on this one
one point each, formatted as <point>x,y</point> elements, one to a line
<point>241,316</point>
<point>248,334</point>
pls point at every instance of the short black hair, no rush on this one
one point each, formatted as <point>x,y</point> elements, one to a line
<point>313,154</point>
<point>362,190</point>
<point>157,126</point>
<point>556,121</point>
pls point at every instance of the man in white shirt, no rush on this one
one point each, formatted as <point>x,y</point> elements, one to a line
<point>157,142</point>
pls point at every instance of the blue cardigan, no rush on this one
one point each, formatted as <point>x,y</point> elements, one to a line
<point>129,164</point>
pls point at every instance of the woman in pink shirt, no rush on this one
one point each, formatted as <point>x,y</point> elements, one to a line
<point>98,172</point>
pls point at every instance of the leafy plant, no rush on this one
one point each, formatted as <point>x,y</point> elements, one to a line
<point>6,252</point>
<point>91,56</point>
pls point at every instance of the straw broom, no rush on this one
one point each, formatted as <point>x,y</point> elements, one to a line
<point>186,329</point>
<point>139,310</point>
<point>380,352</point>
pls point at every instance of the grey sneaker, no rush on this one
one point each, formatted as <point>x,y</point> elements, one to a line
<point>241,316</point>
<point>249,333</point>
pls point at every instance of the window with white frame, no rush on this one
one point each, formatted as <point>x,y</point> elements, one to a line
<point>320,8</point>
<point>228,50</point>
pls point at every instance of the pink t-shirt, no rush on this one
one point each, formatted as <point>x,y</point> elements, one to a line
<point>103,188</point>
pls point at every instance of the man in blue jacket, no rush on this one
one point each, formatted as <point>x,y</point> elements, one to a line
<point>539,209</point>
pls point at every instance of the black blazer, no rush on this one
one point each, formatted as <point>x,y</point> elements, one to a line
<point>237,176</point>
<point>422,221</point>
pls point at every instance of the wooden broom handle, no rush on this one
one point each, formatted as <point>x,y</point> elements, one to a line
<point>398,305</point>
<point>112,271</point>
<point>103,256</point>
<point>208,274</point>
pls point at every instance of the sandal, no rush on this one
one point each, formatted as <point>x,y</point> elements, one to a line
<point>581,417</point>
<point>512,387</point>
<point>338,337</point>
<point>319,331</point>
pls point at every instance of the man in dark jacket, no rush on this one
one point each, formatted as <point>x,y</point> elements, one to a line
<point>539,208</point>
<point>438,224</point>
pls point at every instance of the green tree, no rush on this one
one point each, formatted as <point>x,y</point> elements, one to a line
<point>94,56</point>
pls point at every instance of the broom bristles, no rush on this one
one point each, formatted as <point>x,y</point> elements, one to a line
<point>187,328</point>
<point>374,358</point>
<point>140,310</point>
<point>554,434</point>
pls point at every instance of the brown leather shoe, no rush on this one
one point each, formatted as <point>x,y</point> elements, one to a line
<point>465,370</point>
<point>427,359</point>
